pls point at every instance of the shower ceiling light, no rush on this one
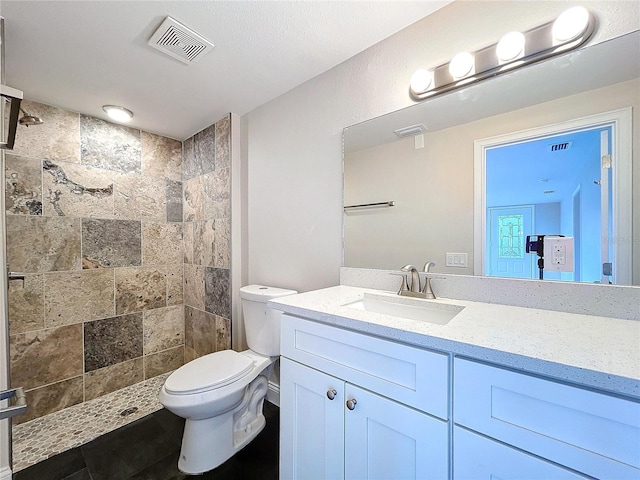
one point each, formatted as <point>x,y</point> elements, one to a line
<point>571,29</point>
<point>119,114</point>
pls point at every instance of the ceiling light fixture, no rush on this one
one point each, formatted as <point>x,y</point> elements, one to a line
<point>571,29</point>
<point>119,114</point>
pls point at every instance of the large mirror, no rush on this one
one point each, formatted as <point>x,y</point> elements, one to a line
<point>516,141</point>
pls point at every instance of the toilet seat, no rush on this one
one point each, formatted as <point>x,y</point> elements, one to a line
<point>208,372</point>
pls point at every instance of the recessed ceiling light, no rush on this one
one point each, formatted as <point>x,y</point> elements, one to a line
<point>119,114</point>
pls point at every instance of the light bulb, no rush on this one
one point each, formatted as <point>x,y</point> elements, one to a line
<point>510,46</point>
<point>421,80</point>
<point>570,24</point>
<point>119,114</point>
<point>461,65</point>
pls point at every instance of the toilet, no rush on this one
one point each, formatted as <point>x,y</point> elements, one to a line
<point>221,394</point>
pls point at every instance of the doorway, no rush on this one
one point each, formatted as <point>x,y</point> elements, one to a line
<point>574,179</point>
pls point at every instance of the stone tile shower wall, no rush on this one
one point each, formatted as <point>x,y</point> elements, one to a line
<point>207,240</point>
<point>94,219</point>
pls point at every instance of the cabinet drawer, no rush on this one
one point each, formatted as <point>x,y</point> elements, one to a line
<point>479,458</point>
<point>590,432</point>
<point>410,375</point>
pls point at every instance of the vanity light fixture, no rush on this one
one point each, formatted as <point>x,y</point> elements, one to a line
<point>119,114</point>
<point>462,65</point>
<point>510,47</point>
<point>571,29</point>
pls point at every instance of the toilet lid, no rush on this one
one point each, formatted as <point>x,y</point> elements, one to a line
<point>208,372</point>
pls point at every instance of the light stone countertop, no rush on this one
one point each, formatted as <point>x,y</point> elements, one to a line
<point>586,350</point>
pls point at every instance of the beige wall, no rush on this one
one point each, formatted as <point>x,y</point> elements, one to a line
<point>294,146</point>
<point>433,186</point>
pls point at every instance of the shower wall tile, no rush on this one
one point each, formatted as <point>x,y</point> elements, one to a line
<point>162,243</point>
<point>41,244</point>
<point>51,398</point>
<point>223,333</point>
<point>109,379</point>
<point>193,201</point>
<point>45,356</point>
<point>112,340</point>
<point>188,240</point>
<point>77,190</point>
<point>140,289</point>
<point>204,236</point>
<point>217,199</point>
<point>200,336</point>
<point>217,293</point>
<point>223,131</point>
<point>163,362</point>
<point>140,198</point>
<point>74,297</point>
<point>174,201</point>
<point>108,145</point>
<point>199,153</point>
<point>161,157</point>
<point>222,243</point>
<point>23,185</point>
<point>194,286</point>
<point>111,243</point>
<point>57,139</point>
<point>163,329</point>
<point>26,304</point>
<point>175,284</point>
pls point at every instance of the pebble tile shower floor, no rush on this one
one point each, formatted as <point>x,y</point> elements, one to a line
<point>43,437</point>
<point>145,447</point>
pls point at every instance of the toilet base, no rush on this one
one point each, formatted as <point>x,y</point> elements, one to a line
<point>208,443</point>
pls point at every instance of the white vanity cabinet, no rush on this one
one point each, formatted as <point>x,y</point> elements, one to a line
<point>589,432</point>
<point>334,426</point>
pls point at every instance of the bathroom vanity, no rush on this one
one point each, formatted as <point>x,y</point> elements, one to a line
<point>376,386</point>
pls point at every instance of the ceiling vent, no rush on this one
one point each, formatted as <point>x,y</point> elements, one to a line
<point>179,42</point>
<point>411,130</point>
<point>558,147</point>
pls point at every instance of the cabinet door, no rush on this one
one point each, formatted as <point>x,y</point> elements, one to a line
<point>478,458</point>
<point>311,424</point>
<point>388,440</point>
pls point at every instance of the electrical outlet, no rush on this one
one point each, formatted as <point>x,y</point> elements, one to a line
<point>558,254</point>
<point>456,260</point>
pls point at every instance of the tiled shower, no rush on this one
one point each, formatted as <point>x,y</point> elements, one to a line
<point>124,240</point>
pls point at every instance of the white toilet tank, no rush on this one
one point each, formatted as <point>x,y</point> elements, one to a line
<point>262,324</point>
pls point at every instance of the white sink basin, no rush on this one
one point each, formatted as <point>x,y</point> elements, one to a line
<point>408,308</point>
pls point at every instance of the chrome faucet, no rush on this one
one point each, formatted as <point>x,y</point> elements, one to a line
<point>414,286</point>
<point>426,291</point>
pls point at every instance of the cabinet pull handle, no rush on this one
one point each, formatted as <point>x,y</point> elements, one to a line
<point>331,394</point>
<point>351,403</point>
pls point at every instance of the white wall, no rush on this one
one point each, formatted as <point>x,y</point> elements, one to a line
<point>294,142</point>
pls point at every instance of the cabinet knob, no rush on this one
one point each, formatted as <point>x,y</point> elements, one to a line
<point>331,394</point>
<point>351,403</point>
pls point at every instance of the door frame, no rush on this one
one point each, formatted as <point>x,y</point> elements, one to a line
<point>620,122</point>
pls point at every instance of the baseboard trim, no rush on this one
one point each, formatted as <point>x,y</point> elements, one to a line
<point>5,473</point>
<point>273,393</point>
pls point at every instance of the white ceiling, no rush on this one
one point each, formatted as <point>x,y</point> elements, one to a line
<point>81,55</point>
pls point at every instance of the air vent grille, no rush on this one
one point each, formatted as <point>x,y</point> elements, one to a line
<point>411,130</point>
<point>557,147</point>
<point>179,41</point>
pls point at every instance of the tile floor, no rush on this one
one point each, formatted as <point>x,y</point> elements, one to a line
<point>148,449</point>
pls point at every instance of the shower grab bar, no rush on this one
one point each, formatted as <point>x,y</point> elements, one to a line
<point>390,203</point>
<point>20,406</point>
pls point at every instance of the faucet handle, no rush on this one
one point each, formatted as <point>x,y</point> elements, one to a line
<point>403,287</point>
<point>427,266</point>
